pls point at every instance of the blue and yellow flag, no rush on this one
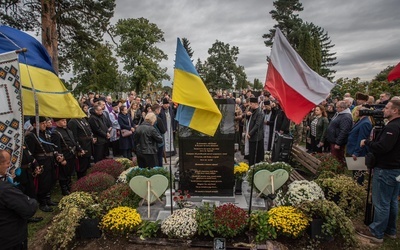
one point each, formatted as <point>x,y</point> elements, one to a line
<point>197,109</point>
<point>37,72</point>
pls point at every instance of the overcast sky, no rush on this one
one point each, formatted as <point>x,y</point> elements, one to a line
<point>366,33</point>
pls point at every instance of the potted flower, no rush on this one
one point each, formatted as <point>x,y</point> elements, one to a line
<point>288,221</point>
<point>240,170</point>
<point>181,224</point>
<point>230,220</point>
<point>299,191</point>
<point>121,221</point>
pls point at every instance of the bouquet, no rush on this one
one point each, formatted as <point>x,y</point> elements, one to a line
<point>240,170</point>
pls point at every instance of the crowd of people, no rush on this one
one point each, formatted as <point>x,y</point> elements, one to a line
<point>56,149</point>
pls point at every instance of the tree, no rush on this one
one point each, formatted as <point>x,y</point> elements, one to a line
<point>65,23</point>
<point>186,45</point>
<point>257,85</point>
<point>220,70</point>
<point>137,48</point>
<point>310,41</point>
<point>288,21</point>
<point>97,70</point>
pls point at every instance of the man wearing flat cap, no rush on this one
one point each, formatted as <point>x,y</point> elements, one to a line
<point>63,138</point>
<point>255,132</point>
<point>40,146</point>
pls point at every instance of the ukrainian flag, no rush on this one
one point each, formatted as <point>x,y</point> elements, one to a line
<point>196,109</point>
<point>37,72</point>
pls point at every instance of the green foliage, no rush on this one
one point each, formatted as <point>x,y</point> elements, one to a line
<point>96,70</point>
<point>220,70</point>
<point>205,220</point>
<point>260,227</point>
<point>148,229</point>
<point>335,221</point>
<point>329,163</point>
<point>119,195</point>
<point>137,48</point>
<point>147,172</point>
<point>257,84</point>
<point>346,193</point>
<point>268,166</point>
<point>186,45</point>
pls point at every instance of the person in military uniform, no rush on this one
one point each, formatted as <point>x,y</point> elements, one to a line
<point>39,144</point>
<point>63,138</point>
<point>83,135</point>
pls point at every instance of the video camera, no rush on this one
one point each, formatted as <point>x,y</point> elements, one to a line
<point>376,113</point>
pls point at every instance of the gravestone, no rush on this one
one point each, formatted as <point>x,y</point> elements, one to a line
<point>206,163</point>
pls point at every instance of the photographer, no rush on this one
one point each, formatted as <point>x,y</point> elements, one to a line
<point>385,187</point>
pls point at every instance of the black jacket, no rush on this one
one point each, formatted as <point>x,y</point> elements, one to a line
<point>339,128</point>
<point>15,209</point>
<point>256,125</point>
<point>99,128</point>
<point>386,146</point>
<point>146,138</point>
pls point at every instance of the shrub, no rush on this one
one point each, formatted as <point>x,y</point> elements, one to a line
<point>125,162</point>
<point>81,200</point>
<point>109,166</point>
<point>230,220</point>
<point>181,224</point>
<point>148,229</point>
<point>118,195</point>
<point>345,192</point>
<point>121,221</point>
<point>335,221</point>
<point>288,221</point>
<point>260,227</point>
<point>95,182</point>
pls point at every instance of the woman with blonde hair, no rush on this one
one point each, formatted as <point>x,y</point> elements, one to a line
<point>146,141</point>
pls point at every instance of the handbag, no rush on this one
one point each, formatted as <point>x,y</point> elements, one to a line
<point>126,133</point>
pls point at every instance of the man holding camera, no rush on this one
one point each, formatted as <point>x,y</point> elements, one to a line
<point>386,175</point>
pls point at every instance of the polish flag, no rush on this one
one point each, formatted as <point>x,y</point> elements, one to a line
<point>289,79</point>
<point>394,73</point>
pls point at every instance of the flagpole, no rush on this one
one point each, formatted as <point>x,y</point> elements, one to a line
<point>170,170</point>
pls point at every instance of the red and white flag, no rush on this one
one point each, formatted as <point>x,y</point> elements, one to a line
<point>289,79</point>
<point>394,73</point>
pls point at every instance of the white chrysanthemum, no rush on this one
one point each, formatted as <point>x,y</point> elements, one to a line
<point>299,191</point>
<point>181,224</point>
<point>122,176</point>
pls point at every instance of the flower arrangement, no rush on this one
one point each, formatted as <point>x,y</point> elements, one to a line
<point>230,220</point>
<point>181,224</point>
<point>125,162</point>
<point>240,170</point>
<point>121,221</point>
<point>260,227</point>
<point>94,182</point>
<point>147,172</point>
<point>122,177</point>
<point>345,192</point>
<point>181,198</point>
<point>117,195</point>
<point>299,191</point>
<point>335,221</point>
<point>268,166</point>
<point>288,221</point>
<point>109,166</point>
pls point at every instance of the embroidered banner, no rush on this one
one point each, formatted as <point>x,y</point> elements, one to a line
<point>11,134</point>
